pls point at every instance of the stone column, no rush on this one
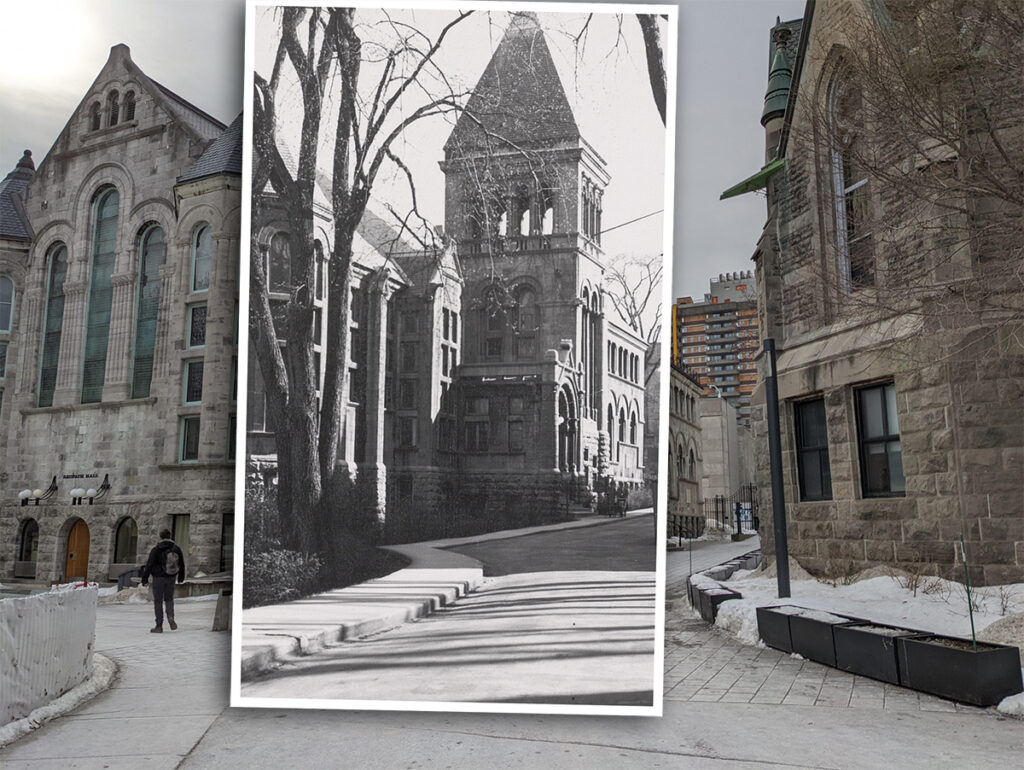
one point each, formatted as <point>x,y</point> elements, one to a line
<point>374,470</point>
<point>30,343</point>
<point>165,323</point>
<point>68,389</point>
<point>117,376</point>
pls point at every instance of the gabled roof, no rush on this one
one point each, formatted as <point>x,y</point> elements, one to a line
<point>519,100</point>
<point>202,126</point>
<point>223,156</point>
<point>14,224</point>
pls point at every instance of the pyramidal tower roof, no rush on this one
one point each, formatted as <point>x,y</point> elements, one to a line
<point>519,100</point>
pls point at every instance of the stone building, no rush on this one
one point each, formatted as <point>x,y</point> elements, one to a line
<point>118,336</point>
<point>685,451</point>
<point>486,374</point>
<point>728,452</point>
<point>716,338</point>
<point>902,418</point>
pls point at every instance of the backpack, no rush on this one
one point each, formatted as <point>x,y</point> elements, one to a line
<point>171,562</point>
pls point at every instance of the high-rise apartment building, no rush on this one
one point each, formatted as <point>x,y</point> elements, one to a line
<point>717,338</point>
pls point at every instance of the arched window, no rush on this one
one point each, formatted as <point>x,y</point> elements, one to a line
<point>129,106</point>
<point>855,248</point>
<point>6,304</point>
<point>612,357</point>
<point>126,541</point>
<point>94,116</point>
<point>101,293</point>
<point>152,253</point>
<point>279,264</point>
<point>53,323</point>
<point>202,258</point>
<point>679,462</point>
<point>691,466</point>
<point>622,424</point>
<point>28,541</point>
<point>611,422</point>
<point>632,428</point>
<point>526,323</point>
<point>113,108</point>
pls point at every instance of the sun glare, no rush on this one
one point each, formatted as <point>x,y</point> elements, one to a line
<point>42,43</point>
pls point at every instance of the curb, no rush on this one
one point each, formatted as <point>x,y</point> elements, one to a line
<point>104,673</point>
<point>268,654</point>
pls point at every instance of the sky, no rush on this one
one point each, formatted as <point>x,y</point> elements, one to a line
<point>723,63</point>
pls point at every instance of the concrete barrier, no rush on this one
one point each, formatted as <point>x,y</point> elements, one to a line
<point>46,647</point>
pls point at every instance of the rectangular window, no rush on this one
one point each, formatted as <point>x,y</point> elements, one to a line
<point>516,435</point>
<point>812,450</point>
<point>455,326</point>
<point>476,436</point>
<point>196,326</point>
<point>232,431</point>
<point>516,405</point>
<point>180,533</point>
<point>407,431</point>
<point>446,322</point>
<point>3,359</point>
<point>193,382</point>
<point>881,456</point>
<point>478,406</point>
<point>408,357</point>
<point>188,452</point>
<point>227,542</point>
<point>407,394</point>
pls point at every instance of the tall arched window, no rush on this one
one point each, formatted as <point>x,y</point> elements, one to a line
<point>691,466</point>
<point>202,258</point>
<point>632,428</point>
<point>53,323</point>
<point>622,424</point>
<point>526,323</point>
<point>850,187</point>
<point>101,293</point>
<point>6,304</point>
<point>94,116</point>
<point>113,108</point>
<point>152,253</point>
<point>129,106</point>
<point>126,541</point>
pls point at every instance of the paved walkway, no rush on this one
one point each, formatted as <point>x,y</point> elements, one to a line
<point>436,577</point>
<point>170,688</point>
<point>547,628</point>
<point>774,724</point>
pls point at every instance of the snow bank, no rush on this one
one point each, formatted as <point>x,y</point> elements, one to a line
<point>46,643</point>
<point>102,677</point>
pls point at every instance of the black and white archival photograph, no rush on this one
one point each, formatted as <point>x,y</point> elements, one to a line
<point>456,232</point>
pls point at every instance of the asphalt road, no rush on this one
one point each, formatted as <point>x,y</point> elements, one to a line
<point>621,545</point>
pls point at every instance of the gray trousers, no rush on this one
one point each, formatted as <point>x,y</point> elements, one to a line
<point>163,592</point>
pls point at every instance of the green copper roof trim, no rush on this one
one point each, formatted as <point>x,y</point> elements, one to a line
<point>779,81</point>
<point>757,182</point>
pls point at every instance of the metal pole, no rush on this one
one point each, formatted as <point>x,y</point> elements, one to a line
<point>775,454</point>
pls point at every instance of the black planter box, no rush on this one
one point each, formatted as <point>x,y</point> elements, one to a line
<point>869,649</point>
<point>773,626</point>
<point>949,667</point>
<point>811,634</point>
<point>710,598</point>
<point>692,593</point>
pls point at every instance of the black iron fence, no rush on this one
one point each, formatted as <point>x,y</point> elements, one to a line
<point>739,510</point>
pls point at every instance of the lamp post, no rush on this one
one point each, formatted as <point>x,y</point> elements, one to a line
<point>775,456</point>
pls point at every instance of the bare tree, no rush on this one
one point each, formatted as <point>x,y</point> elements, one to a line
<point>633,286</point>
<point>322,53</point>
<point>920,123</point>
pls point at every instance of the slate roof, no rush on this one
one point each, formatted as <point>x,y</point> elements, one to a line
<point>519,100</point>
<point>202,122</point>
<point>14,224</point>
<point>223,156</point>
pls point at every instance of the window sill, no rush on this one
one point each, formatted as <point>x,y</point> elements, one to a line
<point>186,465</point>
<point>69,408</point>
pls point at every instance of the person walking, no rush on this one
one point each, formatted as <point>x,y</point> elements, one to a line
<point>165,564</point>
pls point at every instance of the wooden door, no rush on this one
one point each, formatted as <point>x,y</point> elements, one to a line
<point>76,565</point>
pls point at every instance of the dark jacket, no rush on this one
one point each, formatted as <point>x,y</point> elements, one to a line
<point>155,563</point>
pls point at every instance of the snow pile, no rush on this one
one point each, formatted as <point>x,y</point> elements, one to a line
<point>1013,705</point>
<point>102,677</point>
